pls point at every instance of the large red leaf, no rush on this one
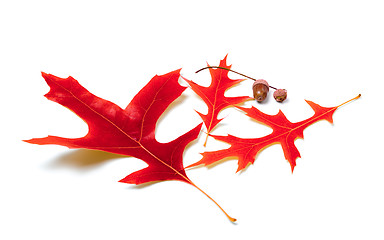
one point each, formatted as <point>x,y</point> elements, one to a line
<point>284,132</point>
<point>129,131</point>
<point>213,95</point>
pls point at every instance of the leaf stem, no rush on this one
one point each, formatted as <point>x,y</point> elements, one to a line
<point>231,71</point>
<point>206,140</point>
<point>350,100</point>
<point>226,214</point>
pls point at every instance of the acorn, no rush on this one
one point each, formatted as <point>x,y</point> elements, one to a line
<point>260,89</point>
<point>280,95</point>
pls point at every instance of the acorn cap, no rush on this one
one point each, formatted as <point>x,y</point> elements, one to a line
<point>261,81</point>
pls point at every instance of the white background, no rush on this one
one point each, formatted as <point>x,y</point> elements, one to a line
<point>324,51</point>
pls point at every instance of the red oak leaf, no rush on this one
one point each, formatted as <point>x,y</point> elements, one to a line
<point>284,132</point>
<point>213,96</point>
<point>129,131</point>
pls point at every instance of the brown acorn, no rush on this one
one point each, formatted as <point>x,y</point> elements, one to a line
<point>260,89</point>
<point>280,95</point>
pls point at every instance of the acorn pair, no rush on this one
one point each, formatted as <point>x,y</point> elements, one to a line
<point>261,88</point>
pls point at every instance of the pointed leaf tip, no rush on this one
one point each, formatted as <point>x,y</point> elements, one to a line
<point>44,74</point>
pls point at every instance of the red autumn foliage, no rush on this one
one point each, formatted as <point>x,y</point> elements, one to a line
<point>129,131</point>
<point>213,96</point>
<point>284,132</point>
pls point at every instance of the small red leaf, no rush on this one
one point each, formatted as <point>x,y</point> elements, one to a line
<point>213,96</point>
<point>284,132</point>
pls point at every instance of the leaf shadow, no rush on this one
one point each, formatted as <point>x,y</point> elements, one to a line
<point>83,159</point>
<point>86,160</point>
<point>142,185</point>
